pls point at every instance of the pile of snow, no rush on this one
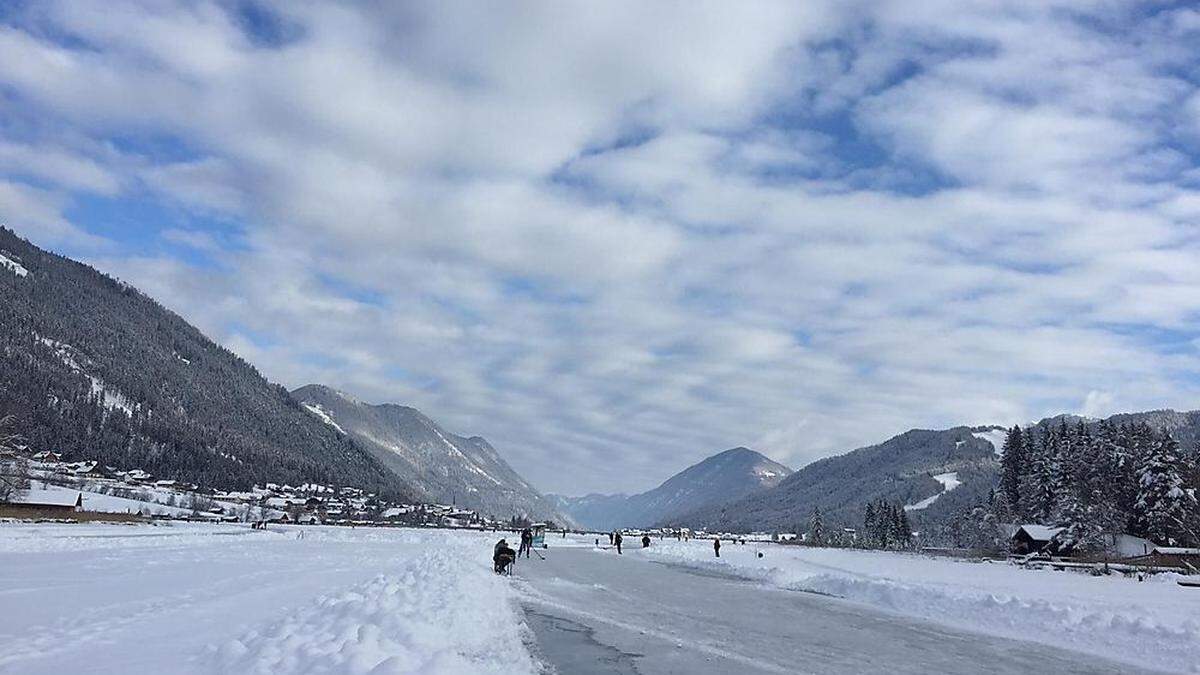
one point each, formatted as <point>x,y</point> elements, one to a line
<point>949,481</point>
<point>203,598</point>
<point>1153,623</point>
<point>13,266</point>
<point>434,614</point>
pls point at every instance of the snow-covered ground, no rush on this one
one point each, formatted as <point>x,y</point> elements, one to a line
<point>1155,623</point>
<point>200,598</point>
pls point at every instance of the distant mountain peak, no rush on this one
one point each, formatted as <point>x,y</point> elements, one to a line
<point>715,480</point>
<point>449,468</point>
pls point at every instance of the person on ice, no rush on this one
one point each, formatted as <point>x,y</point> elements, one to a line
<point>526,542</point>
<point>717,545</point>
<point>617,541</point>
<point>502,557</point>
<point>645,541</point>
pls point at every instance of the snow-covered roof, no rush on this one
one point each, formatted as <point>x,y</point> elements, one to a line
<point>1040,532</point>
<point>46,498</point>
<point>1175,550</point>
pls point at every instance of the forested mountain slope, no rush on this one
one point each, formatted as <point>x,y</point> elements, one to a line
<point>94,369</point>
<point>448,468</point>
<point>900,470</point>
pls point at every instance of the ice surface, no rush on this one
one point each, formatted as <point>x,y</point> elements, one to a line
<point>1153,623</point>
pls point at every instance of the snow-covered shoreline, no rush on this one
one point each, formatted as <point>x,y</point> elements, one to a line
<point>1154,623</point>
<point>202,598</point>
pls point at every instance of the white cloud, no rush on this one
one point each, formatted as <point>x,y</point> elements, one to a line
<point>617,238</point>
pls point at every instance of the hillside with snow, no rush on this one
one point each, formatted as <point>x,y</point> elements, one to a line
<point>719,479</point>
<point>934,472</point>
<point>95,370</point>
<point>445,467</point>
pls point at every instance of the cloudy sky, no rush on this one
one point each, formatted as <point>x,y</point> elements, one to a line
<point>617,238</point>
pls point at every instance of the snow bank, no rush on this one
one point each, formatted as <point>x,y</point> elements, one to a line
<point>436,614</point>
<point>202,598</point>
<point>1155,623</point>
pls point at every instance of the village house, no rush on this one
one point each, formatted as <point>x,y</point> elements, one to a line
<point>42,504</point>
<point>1036,539</point>
<point>1171,556</point>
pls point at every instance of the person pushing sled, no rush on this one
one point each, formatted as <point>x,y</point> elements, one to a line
<point>503,558</point>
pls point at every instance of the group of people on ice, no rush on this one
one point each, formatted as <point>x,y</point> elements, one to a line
<point>503,556</point>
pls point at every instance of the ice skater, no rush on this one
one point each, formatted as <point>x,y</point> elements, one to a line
<point>526,542</point>
<point>617,541</point>
<point>717,546</point>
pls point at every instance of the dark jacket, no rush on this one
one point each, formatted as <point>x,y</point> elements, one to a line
<point>503,550</point>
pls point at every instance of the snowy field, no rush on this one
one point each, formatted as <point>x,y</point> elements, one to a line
<point>1154,624</point>
<point>202,598</point>
<point>198,598</point>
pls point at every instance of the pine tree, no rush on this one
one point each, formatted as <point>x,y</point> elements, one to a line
<point>816,528</point>
<point>1012,465</point>
<point>1163,505</point>
<point>1037,498</point>
<point>869,539</point>
<point>904,528</point>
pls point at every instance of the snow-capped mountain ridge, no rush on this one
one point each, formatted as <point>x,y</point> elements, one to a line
<point>723,477</point>
<point>448,468</point>
<point>913,468</point>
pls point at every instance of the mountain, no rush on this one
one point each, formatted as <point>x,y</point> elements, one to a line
<point>936,474</point>
<point>593,511</point>
<point>711,483</point>
<point>94,369</point>
<point>954,467</point>
<point>448,468</point>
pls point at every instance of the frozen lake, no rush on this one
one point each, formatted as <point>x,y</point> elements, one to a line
<point>196,598</point>
<point>596,612</point>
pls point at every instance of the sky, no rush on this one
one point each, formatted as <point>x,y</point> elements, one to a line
<point>616,238</point>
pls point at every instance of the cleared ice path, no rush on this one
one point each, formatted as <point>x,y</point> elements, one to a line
<point>594,612</point>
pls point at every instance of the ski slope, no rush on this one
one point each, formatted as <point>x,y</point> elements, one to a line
<point>948,481</point>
